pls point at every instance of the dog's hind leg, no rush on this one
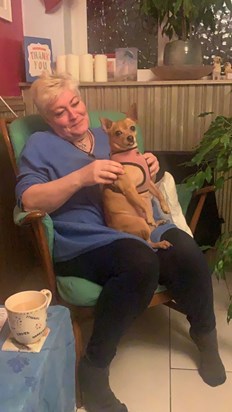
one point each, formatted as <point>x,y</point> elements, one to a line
<point>153,189</point>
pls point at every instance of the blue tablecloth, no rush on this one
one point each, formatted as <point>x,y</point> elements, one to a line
<point>44,381</point>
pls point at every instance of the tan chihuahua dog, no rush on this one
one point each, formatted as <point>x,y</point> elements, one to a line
<point>127,202</point>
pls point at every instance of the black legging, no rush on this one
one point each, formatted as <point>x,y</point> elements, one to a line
<point>185,272</point>
<point>128,270</point>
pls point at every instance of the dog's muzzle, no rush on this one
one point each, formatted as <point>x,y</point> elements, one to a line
<point>130,139</point>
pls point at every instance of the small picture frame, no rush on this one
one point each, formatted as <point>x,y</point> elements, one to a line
<point>111,64</point>
<point>38,57</point>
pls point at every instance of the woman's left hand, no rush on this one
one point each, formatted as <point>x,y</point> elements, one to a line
<point>152,162</point>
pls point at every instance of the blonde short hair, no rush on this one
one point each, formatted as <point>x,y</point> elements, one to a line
<point>48,87</point>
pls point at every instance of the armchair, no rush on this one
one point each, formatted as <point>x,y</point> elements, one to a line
<point>78,294</point>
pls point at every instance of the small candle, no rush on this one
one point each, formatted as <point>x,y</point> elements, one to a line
<point>100,68</point>
<point>72,65</point>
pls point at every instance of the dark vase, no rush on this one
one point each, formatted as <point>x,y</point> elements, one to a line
<point>180,52</point>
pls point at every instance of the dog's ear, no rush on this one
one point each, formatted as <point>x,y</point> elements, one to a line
<point>132,112</point>
<point>106,124</point>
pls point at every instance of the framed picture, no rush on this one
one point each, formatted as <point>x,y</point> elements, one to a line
<point>38,57</point>
<point>5,10</point>
<point>111,68</point>
<point>126,64</point>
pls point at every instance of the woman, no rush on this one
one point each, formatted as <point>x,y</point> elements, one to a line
<point>60,173</point>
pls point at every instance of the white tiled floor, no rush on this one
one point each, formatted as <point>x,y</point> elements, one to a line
<point>155,369</point>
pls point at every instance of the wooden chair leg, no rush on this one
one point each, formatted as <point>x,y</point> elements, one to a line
<point>79,354</point>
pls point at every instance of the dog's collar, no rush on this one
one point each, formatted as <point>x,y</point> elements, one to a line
<point>124,151</point>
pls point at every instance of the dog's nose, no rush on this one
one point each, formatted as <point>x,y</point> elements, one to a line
<point>130,139</point>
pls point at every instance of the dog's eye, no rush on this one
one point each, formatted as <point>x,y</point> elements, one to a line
<point>118,133</point>
<point>132,128</point>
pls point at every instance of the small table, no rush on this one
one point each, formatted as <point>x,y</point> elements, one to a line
<point>44,381</point>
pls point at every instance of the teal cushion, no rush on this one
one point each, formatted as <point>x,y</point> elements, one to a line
<point>184,195</point>
<point>82,292</point>
<point>78,291</point>
<point>21,129</point>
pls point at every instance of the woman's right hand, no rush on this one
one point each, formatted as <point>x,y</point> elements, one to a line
<point>100,172</point>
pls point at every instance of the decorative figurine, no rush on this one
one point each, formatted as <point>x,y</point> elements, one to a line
<point>217,68</point>
<point>228,70</point>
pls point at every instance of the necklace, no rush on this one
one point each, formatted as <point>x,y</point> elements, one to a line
<point>86,144</point>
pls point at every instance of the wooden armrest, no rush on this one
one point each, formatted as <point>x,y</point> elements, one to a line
<point>25,218</point>
<point>204,190</point>
<point>36,218</point>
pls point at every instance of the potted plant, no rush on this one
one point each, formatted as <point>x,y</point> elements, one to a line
<point>180,19</point>
<point>213,157</point>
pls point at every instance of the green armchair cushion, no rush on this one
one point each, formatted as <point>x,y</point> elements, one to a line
<point>78,291</point>
<point>21,129</point>
<point>184,195</point>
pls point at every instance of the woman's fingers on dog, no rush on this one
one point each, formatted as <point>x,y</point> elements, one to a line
<point>113,167</point>
<point>100,171</point>
<point>103,168</point>
<point>108,177</point>
<point>109,171</point>
<point>152,163</point>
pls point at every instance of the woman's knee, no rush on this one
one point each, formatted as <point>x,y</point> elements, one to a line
<point>183,244</point>
<point>139,262</point>
<point>185,259</point>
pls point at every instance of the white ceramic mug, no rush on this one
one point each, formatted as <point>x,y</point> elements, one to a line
<point>27,314</point>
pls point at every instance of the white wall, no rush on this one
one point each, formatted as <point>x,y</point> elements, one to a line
<point>79,27</point>
<point>66,27</point>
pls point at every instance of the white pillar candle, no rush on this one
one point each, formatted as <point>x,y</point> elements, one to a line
<point>61,64</point>
<point>72,65</point>
<point>86,67</point>
<point>100,68</point>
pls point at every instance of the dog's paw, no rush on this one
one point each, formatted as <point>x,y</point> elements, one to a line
<point>165,208</point>
<point>164,244</point>
<point>160,222</point>
<point>151,222</point>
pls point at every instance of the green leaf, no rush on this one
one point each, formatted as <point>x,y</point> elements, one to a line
<point>219,182</point>
<point>229,313</point>
<point>230,161</point>
<point>177,6</point>
<point>228,4</point>
<point>205,247</point>
<point>200,178</point>
<point>225,140</point>
<point>204,150</point>
<point>204,114</point>
<point>221,164</point>
<point>208,174</point>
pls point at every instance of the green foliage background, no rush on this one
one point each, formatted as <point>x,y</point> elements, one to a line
<point>213,158</point>
<point>182,17</point>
